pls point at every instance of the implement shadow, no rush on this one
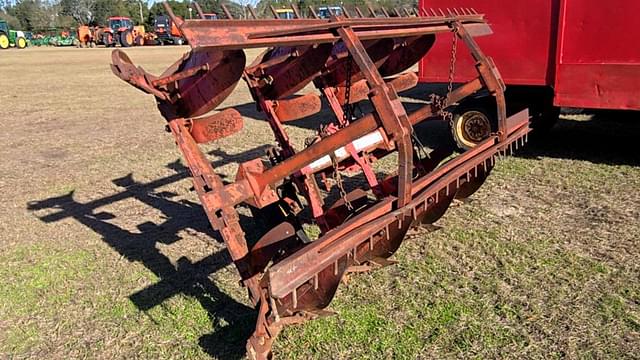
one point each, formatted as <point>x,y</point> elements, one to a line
<point>232,321</point>
<point>602,137</point>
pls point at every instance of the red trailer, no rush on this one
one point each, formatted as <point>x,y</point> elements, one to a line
<point>551,53</point>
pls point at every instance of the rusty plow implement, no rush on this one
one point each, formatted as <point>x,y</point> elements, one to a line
<point>290,276</point>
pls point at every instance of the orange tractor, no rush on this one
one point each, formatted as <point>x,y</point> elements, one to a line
<point>120,31</point>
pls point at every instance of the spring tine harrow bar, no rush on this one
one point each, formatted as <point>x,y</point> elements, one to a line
<point>290,277</point>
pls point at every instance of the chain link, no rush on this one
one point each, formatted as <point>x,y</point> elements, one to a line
<point>440,103</point>
<point>347,115</point>
<point>452,64</point>
<point>337,177</point>
<point>347,108</point>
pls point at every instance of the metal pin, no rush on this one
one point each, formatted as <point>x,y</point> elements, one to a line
<point>295,298</point>
<point>315,282</point>
<point>335,268</point>
<point>370,243</point>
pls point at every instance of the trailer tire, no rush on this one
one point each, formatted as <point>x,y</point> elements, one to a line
<point>4,41</point>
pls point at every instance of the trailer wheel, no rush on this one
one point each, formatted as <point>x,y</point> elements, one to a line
<point>4,41</point>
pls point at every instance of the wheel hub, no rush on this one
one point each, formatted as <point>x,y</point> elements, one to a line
<point>476,126</point>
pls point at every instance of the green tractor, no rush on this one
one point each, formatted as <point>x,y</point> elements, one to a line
<point>11,37</point>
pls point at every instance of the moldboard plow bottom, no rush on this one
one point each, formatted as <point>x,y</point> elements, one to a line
<point>290,277</point>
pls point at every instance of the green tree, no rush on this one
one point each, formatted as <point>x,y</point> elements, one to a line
<point>11,20</point>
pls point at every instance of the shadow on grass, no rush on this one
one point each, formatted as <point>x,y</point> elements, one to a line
<point>185,277</point>
<point>603,137</point>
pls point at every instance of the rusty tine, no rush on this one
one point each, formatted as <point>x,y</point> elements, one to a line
<point>313,13</point>
<point>442,13</point>
<point>227,13</point>
<point>359,12</point>
<point>372,12</point>
<point>345,12</point>
<point>384,11</point>
<point>252,12</point>
<point>455,10</point>
<point>296,12</point>
<point>274,12</point>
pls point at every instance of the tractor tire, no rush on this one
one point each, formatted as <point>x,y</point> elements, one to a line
<point>21,42</point>
<point>107,39</point>
<point>4,41</point>
<point>126,39</point>
<point>139,40</point>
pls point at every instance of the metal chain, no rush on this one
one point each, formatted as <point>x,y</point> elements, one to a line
<point>337,177</point>
<point>347,114</point>
<point>452,65</point>
<point>439,102</point>
<point>347,108</point>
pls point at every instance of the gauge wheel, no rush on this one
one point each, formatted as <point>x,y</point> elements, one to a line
<point>470,126</point>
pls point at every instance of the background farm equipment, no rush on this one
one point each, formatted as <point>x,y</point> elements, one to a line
<point>166,31</point>
<point>292,276</point>
<point>87,36</point>
<point>11,38</point>
<point>121,31</point>
<point>65,38</point>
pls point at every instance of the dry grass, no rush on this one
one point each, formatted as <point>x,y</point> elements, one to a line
<point>106,253</point>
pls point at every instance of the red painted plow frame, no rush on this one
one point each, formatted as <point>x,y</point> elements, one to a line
<point>289,277</point>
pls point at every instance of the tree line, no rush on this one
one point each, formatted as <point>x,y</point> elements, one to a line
<point>41,15</point>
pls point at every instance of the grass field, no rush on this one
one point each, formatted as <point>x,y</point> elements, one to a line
<point>107,254</point>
